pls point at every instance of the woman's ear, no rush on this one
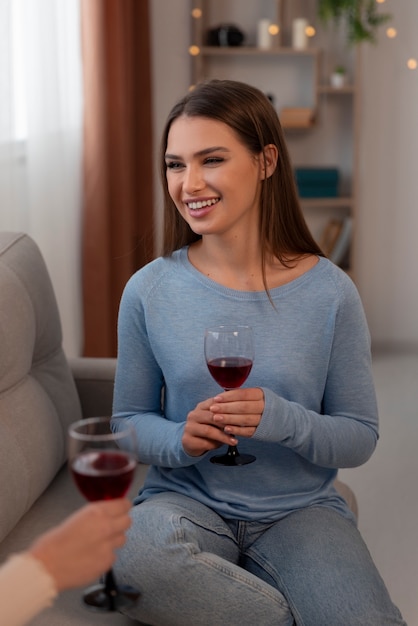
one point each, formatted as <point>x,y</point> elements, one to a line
<point>268,161</point>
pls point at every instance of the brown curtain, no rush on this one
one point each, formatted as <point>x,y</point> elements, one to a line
<point>117,220</point>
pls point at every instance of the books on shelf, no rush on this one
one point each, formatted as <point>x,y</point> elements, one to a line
<point>330,235</point>
<point>317,182</point>
<point>297,117</point>
<point>336,238</point>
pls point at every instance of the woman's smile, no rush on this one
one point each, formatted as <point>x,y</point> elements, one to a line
<point>199,208</point>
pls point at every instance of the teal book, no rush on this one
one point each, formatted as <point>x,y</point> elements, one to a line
<point>317,175</point>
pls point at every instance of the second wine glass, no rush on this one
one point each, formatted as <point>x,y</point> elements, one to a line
<point>229,354</point>
<point>103,464</point>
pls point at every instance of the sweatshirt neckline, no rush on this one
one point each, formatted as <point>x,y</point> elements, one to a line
<point>276,292</point>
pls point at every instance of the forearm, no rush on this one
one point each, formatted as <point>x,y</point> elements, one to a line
<point>159,440</point>
<point>327,410</point>
<point>337,440</point>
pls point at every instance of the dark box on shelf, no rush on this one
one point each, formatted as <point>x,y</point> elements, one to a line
<point>317,182</point>
<point>318,191</point>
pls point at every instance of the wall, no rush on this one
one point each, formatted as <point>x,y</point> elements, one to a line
<point>386,256</point>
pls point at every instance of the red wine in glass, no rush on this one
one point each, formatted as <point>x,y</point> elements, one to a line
<point>103,475</point>
<point>103,465</point>
<point>230,372</point>
<point>229,354</point>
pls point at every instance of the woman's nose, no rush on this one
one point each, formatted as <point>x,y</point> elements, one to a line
<point>193,179</point>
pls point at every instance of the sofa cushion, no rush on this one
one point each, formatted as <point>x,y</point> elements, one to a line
<point>38,397</point>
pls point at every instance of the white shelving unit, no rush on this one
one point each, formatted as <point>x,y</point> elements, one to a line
<point>293,78</point>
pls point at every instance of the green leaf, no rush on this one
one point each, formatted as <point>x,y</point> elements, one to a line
<point>362,17</point>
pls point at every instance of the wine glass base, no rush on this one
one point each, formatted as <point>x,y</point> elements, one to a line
<point>233,459</point>
<point>98,598</point>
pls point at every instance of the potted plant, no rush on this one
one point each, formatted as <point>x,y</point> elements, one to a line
<point>362,17</point>
<point>338,76</point>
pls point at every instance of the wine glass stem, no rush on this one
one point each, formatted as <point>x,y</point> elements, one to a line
<point>232,451</point>
<point>111,589</point>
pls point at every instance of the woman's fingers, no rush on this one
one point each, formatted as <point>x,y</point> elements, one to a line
<point>238,411</point>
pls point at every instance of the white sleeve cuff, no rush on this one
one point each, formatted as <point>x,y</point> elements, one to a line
<point>26,588</point>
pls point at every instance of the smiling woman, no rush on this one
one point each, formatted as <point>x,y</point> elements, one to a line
<point>215,182</point>
<point>213,544</point>
<point>260,155</point>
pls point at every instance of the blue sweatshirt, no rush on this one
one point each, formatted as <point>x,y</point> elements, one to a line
<point>312,360</point>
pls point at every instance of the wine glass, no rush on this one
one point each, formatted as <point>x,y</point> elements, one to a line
<point>103,464</point>
<point>229,354</point>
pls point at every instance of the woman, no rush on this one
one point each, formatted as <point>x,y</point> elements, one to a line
<point>271,542</point>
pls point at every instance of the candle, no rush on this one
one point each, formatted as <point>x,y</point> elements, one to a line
<point>264,39</point>
<point>299,38</point>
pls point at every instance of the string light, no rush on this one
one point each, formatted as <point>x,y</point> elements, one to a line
<point>391,33</point>
<point>197,13</point>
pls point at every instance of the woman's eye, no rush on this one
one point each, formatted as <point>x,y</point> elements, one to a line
<point>214,160</point>
<point>174,165</point>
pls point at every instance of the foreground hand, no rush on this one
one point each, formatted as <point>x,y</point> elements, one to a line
<point>218,421</point>
<point>83,546</point>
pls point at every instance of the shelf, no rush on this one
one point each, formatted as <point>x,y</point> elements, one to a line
<point>347,90</point>
<point>339,202</point>
<point>293,79</point>
<point>253,50</point>
<point>298,128</point>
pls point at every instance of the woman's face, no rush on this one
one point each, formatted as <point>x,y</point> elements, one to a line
<point>212,177</point>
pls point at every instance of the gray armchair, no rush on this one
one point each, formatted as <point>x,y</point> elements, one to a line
<point>41,393</point>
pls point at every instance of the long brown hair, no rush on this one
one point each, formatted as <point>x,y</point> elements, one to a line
<point>245,109</point>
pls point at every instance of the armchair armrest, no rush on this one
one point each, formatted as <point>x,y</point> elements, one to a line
<point>348,495</point>
<point>94,379</point>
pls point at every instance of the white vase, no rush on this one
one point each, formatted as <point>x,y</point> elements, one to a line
<point>299,36</point>
<point>337,80</point>
<point>264,38</point>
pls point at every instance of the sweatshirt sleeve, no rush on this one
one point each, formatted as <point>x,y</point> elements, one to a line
<point>26,588</point>
<point>139,385</point>
<point>344,432</point>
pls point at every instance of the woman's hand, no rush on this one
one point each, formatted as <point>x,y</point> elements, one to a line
<point>201,433</point>
<point>238,411</point>
<point>218,421</point>
<point>83,546</point>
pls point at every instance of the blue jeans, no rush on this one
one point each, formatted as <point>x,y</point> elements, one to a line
<point>193,567</point>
